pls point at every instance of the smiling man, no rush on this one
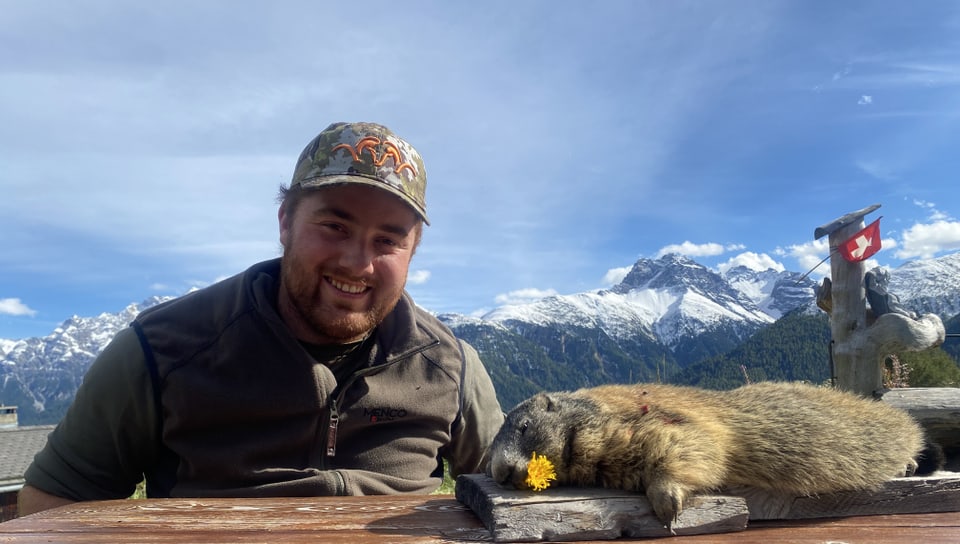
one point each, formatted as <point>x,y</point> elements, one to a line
<point>312,374</point>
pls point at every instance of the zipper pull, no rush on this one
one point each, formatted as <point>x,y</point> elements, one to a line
<point>332,430</point>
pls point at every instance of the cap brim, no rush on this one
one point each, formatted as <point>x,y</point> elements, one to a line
<point>341,179</point>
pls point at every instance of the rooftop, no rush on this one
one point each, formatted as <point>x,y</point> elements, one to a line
<point>17,448</point>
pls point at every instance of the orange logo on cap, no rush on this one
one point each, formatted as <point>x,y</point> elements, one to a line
<point>370,144</point>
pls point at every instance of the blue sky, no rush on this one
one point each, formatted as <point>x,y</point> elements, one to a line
<point>142,144</point>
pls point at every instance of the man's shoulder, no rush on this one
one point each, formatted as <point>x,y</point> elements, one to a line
<point>215,305</point>
<point>431,324</point>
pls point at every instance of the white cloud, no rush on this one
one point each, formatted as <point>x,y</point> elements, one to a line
<point>182,288</point>
<point>809,255</point>
<point>865,100</point>
<point>523,296</point>
<point>479,312</point>
<point>690,249</point>
<point>418,277</point>
<point>877,169</point>
<point>753,261</point>
<point>13,306</point>
<point>615,275</point>
<point>931,208</point>
<point>937,215</point>
<point>926,240</point>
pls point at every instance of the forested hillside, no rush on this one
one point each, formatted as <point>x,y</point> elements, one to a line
<point>796,347</point>
<point>547,359</point>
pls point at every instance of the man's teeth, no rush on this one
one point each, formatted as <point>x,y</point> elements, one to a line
<point>347,287</point>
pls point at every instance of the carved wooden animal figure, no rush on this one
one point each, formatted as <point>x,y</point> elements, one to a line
<point>672,441</point>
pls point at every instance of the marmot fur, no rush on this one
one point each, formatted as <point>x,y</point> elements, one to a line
<point>673,441</point>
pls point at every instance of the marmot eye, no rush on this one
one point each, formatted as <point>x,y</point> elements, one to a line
<point>523,427</point>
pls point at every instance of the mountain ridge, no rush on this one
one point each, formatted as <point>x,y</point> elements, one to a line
<point>665,315</point>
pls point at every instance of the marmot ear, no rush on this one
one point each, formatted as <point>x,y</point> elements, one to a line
<point>547,402</point>
<point>541,401</point>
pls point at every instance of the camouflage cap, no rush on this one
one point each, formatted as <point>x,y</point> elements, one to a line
<point>364,153</point>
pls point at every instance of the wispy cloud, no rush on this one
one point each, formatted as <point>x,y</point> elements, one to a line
<point>934,214</point>
<point>14,306</point>
<point>615,275</point>
<point>753,261</point>
<point>418,277</point>
<point>691,249</point>
<point>878,168</point>
<point>522,296</point>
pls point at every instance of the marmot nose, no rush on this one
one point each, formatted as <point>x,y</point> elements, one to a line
<point>503,474</point>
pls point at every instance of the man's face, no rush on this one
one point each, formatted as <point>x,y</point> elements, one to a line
<point>346,252</point>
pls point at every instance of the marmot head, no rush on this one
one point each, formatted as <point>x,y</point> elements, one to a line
<point>545,424</point>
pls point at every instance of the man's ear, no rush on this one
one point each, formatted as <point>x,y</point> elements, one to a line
<point>284,220</point>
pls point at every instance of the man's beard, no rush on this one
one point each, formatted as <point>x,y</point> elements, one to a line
<point>303,285</point>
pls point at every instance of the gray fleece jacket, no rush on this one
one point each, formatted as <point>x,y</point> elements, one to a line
<point>210,395</point>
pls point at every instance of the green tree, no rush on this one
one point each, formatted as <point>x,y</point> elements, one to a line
<point>931,368</point>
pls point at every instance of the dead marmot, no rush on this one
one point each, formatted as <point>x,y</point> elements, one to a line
<point>672,441</point>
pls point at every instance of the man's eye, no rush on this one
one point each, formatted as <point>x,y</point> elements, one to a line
<point>332,226</point>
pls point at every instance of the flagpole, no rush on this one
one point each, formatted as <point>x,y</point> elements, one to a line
<point>808,272</point>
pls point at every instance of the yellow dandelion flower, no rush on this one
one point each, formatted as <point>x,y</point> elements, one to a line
<point>540,472</point>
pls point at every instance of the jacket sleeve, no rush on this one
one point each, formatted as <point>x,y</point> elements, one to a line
<point>481,418</point>
<point>312,483</point>
<point>104,442</point>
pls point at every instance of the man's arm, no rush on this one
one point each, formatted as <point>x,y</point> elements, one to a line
<point>107,439</point>
<point>480,420</point>
<point>31,500</point>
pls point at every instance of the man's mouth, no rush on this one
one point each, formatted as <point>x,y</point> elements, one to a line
<point>350,288</point>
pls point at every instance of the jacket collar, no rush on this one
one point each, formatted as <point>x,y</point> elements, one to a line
<point>402,333</point>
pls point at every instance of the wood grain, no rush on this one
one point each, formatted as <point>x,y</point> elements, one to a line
<point>396,519</point>
<point>572,513</point>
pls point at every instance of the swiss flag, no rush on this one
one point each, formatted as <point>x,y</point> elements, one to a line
<point>862,245</point>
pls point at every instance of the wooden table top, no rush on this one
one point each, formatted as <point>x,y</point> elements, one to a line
<point>396,518</point>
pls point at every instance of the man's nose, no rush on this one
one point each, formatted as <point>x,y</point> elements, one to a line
<point>356,256</point>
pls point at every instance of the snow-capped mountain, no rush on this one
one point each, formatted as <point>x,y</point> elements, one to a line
<point>671,299</point>
<point>664,316</point>
<point>929,286</point>
<point>41,375</point>
<point>775,293</point>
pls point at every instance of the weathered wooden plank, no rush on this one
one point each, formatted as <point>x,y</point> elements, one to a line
<point>846,220</point>
<point>396,519</point>
<point>595,514</point>
<point>937,409</point>
<point>572,513</point>
<point>899,496</point>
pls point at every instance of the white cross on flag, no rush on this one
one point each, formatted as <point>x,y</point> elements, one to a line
<point>862,245</point>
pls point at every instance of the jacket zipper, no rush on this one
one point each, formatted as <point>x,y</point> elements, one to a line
<point>333,421</point>
<point>332,428</point>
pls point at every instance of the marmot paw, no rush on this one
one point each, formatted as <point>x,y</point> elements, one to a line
<point>666,500</point>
